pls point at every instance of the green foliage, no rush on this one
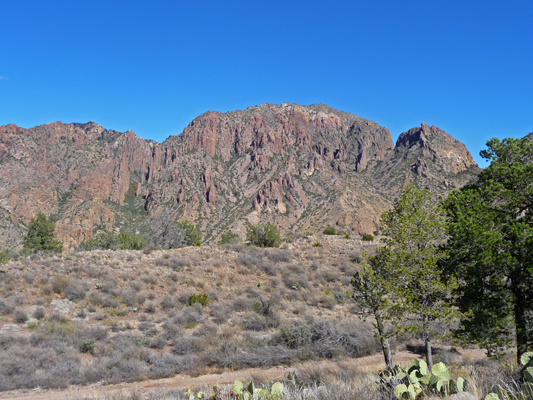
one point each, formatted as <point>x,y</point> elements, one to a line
<point>263,235</point>
<point>41,237</point>
<point>316,244</point>
<point>229,238</point>
<point>367,237</point>
<point>330,230</point>
<point>490,230</point>
<point>347,235</point>
<point>87,346</point>
<point>130,241</point>
<point>240,391</point>
<point>402,283</point>
<point>111,241</point>
<point>5,256</point>
<point>198,298</point>
<point>410,382</point>
<point>192,235</point>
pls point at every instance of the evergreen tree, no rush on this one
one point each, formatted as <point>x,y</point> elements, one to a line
<point>490,240</point>
<point>41,237</point>
<point>405,274</point>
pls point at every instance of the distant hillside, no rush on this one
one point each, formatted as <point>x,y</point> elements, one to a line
<point>301,167</point>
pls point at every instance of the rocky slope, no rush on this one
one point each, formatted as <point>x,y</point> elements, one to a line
<point>301,167</point>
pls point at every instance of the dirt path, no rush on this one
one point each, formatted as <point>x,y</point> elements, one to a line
<point>141,389</point>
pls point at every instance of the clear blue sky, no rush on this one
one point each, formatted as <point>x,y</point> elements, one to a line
<point>152,66</point>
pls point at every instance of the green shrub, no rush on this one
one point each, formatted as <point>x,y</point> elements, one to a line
<point>367,237</point>
<point>111,241</point>
<point>316,244</point>
<point>347,235</point>
<point>330,230</point>
<point>193,235</point>
<point>229,238</point>
<point>5,256</point>
<point>87,346</point>
<point>198,298</point>
<point>130,241</point>
<point>41,237</point>
<point>264,235</point>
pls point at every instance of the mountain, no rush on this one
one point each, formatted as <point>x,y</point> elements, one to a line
<point>301,167</point>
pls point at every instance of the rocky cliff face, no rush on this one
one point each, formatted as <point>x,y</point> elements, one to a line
<point>302,168</point>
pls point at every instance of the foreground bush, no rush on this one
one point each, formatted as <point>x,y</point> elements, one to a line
<point>264,235</point>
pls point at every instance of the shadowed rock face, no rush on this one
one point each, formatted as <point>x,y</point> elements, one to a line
<point>300,167</point>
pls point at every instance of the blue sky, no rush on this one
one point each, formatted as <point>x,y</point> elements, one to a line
<point>465,66</point>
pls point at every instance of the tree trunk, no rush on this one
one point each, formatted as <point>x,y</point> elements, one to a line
<point>520,325</point>
<point>385,345</point>
<point>429,356</point>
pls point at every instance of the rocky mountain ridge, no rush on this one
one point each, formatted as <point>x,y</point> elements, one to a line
<point>301,167</point>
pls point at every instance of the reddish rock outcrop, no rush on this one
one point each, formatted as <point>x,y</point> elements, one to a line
<point>301,167</point>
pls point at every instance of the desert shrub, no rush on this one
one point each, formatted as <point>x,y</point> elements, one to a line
<point>76,290</point>
<point>253,322</point>
<point>150,307</point>
<point>177,264</point>
<point>263,235</point>
<point>293,281</point>
<point>20,317</point>
<point>229,238</point>
<point>297,334</point>
<point>110,301</point>
<point>219,313</point>
<point>328,300</point>
<point>87,346</point>
<point>184,345</point>
<point>5,307</point>
<point>150,279</point>
<point>169,365</point>
<point>367,237</point>
<point>328,275</point>
<point>163,232</point>
<point>279,255</point>
<point>241,303</point>
<point>268,267</point>
<point>5,256</point>
<point>356,258</point>
<point>188,315</point>
<point>248,260</point>
<point>168,303</point>
<point>39,313</point>
<point>198,298</point>
<point>330,230</point>
<point>59,283</point>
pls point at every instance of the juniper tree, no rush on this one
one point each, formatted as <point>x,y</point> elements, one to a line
<point>490,240</point>
<point>41,237</point>
<point>405,273</point>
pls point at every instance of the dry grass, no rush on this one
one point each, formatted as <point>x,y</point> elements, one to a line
<point>266,307</point>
